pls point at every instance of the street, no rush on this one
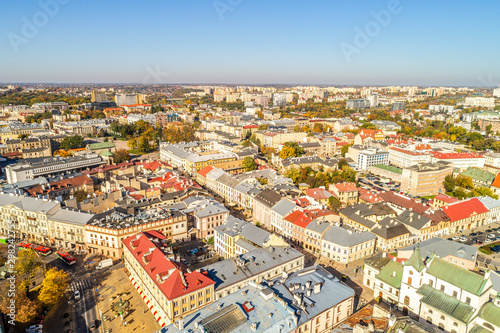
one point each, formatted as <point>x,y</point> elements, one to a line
<point>85,307</point>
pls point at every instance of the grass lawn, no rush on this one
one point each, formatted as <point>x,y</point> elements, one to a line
<point>429,197</point>
<point>486,249</point>
<point>134,152</point>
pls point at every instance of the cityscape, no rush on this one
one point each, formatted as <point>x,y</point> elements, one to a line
<point>172,167</point>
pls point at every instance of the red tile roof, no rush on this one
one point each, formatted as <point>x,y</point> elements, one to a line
<point>318,193</point>
<point>203,172</point>
<point>403,201</point>
<point>409,152</point>
<point>445,198</point>
<point>496,182</point>
<point>346,187</point>
<point>59,185</point>
<point>464,209</point>
<point>299,219</point>
<point>369,196</point>
<point>449,156</point>
<point>172,277</point>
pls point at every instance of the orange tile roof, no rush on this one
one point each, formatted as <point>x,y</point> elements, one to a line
<point>496,182</point>
<point>464,209</point>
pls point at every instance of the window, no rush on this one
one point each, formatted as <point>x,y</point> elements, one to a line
<point>429,320</point>
<point>441,326</point>
<point>467,300</point>
<point>455,294</point>
<point>430,311</point>
<point>409,280</point>
<point>407,300</point>
<point>442,287</point>
<point>443,318</point>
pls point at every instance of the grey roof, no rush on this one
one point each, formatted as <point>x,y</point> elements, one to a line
<point>268,197</point>
<point>347,237</point>
<point>443,248</point>
<point>243,187</point>
<point>413,219</point>
<point>235,226</point>
<point>230,271</point>
<point>284,207</point>
<point>489,203</point>
<point>28,203</point>
<point>389,231</point>
<point>318,226</point>
<point>211,209</point>
<point>228,180</point>
<point>72,217</point>
<point>181,153</point>
<point>377,261</point>
<point>329,292</point>
<point>237,313</point>
<point>360,209</point>
<point>361,220</point>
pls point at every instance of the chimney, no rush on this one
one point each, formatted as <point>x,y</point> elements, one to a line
<point>317,288</point>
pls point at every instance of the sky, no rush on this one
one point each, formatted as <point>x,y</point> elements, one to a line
<point>354,42</point>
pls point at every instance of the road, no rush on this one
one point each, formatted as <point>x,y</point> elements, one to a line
<point>85,307</point>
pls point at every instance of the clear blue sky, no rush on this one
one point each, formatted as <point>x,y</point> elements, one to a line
<point>251,41</point>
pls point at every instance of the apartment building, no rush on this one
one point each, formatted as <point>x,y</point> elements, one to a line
<point>461,161</point>
<point>347,193</point>
<point>425,179</point>
<point>168,288</point>
<point>466,215</point>
<point>345,245</point>
<point>403,158</point>
<point>237,236</point>
<point>50,166</point>
<point>370,157</point>
<point>63,188</point>
<point>42,221</point>
<point>106,232</point>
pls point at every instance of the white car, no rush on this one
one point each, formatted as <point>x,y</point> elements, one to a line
<point>463,239</point>
<point>77,295</point>
<point>455,238</point>
<point>492,236</point>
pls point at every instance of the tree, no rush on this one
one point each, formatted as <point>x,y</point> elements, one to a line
<point>249,164</point>
<point>344,150</point>
<point>121,155</point>
<point>263,127</point>
<point>368,126</point>
<point>342,163</point>
<point>334,204</point>
<point>72,142</point>
<point>27,264</point>
<point>287,152</point>
<point>22,136</point>
<point>53,286</point>
<point>449,183</point>
<point>80,195</point>
<point>26,309</point>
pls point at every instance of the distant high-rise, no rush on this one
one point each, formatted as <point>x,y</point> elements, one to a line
<point>126,99</point>
<point>496,92</point>
<point>373,100</point>
<point>398,105</point>
<point>98,96</point>
<point>279,99</point>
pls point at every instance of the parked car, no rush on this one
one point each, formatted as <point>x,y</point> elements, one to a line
<point>77,295</point>
<point>93,325</point>
<point>455,238</point>
<point>473,234</point>
<point>184,261</point>
<point>492,236</point>
<point>479,242</point>
<point>463,239</point>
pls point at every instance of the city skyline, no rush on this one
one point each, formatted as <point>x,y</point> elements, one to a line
<point>242,42</point>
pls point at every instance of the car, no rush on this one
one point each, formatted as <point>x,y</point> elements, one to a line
<point>77,295</point>
<point>93,325</point>
<point>495,248</point>
<point>473,234</point>
<point>479,242</point>
<point>492,236</point>
<point>455,238</point>
<point>463,239</point>
<point>184,261</point>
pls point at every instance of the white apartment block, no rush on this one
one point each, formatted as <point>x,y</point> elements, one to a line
<point>403,158</point>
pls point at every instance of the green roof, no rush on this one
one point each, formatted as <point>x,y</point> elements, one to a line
<point>106,153</point>
<point>479,329</point>
<point>491,313</point>
<point>389,168</point>
<point>101,145</point>
<point>415,260</point>
<point>387,274</point>
<point>446,304</point>
<point>457,276</point>
<point>479,174</point>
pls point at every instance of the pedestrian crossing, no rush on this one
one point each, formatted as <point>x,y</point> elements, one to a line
<point>80,285</point>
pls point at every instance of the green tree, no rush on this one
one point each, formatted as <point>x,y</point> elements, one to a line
<point>249,164</point>
<point>449,183</point>
<point>121,155</point>
<point>334,204</point>
<point>72,142</point>
<point>368,126</point>
<point>344,150</point>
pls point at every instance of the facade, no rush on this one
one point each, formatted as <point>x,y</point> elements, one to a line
<point>50,166</point>
<point>345,245</point>
<point>461,161</point>
<point>403,158</point>
<point>170,290</point>
<point>370,157</point>
<point>466,215</point>
<point>425,179</point>
<point>106,232</point>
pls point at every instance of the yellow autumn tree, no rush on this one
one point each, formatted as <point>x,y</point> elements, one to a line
<point>53,286</point>
<point>27,265</point>
<point>26,309</point>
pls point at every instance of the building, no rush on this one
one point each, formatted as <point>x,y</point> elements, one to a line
<point>398,105</point>
<point>387,171</point>
<point>98,96</point>
<point>50,166</point>
<point>493,206</point>
<point>237,236</point>
<point>170,290</point>
<point>62,189</point>
<point>466,215</point>
<point>42,221</point>
<point>403,158</point>
<point>262,205</point>
<point>480,177</point>
<point>233,274</point>
<point>488,102</point>
<point>347,192</point>
<point>345,245</point>
<point>357,104</point>
<point>255,309</point>
<point>370,157</point>
<point>456,253</point>
<point>106,232</point>
<point>426,178</point>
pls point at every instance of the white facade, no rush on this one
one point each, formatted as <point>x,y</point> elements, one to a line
<point>402,158</point>
<point>371,157</point>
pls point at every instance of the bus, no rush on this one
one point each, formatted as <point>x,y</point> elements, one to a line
<point>35,247</point>
<point>66,257</point>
